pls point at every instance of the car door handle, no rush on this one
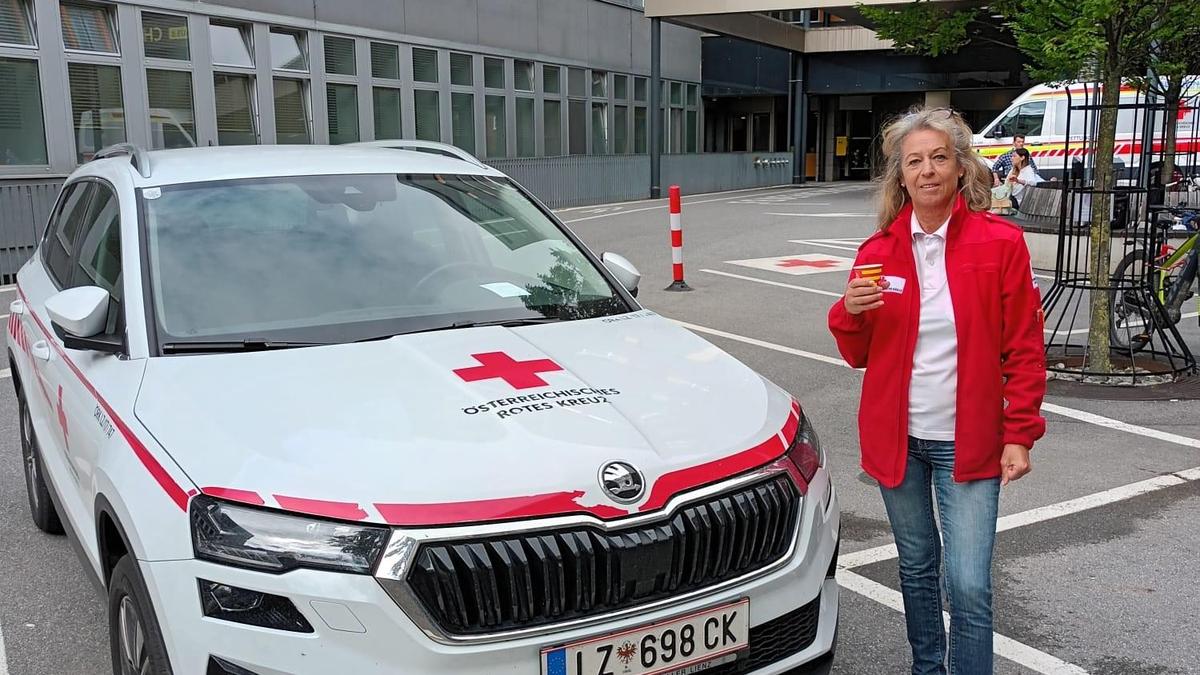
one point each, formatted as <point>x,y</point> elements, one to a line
<point>16,307</point>
<point>41,350</point>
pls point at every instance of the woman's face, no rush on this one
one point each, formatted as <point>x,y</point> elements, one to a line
<point>930,169</point>
<point>1019,161</point>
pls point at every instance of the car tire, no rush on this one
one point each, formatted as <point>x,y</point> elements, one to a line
<point>135,641</point>
<point>41,508</point>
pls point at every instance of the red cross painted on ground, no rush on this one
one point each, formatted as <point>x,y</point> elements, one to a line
<point>796,262</point>
<point>518,374</point>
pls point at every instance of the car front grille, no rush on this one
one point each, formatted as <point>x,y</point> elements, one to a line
<point>776,640</point>
<point>497,584</point>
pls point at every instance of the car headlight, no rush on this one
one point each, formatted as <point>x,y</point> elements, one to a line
<point>278,542</point>
<point>805,451</point>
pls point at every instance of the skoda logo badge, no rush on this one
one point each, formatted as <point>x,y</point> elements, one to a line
<point>622,482</point>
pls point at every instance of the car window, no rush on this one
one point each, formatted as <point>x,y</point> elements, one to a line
<point>1026,119</point>
<point>99,261</point>
<point>59,243</point>
<point>338,258</point>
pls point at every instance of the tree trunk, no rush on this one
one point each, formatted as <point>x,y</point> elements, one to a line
<point>1101,239</point>
<point>1171,99</point>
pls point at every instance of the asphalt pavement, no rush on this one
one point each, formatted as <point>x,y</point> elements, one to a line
<point>1096,561</point>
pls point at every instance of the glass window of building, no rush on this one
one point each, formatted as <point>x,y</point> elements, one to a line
<point>339,56</point>
<point>575,82</point>
<point>690,132</point>
<point>385,61</point>
<point>97,111</point>
<point>341,102</point>
<point>287,51</point>
<point>550,80</point>
<point>599,128</point>
<point>16,23</point>
<point>88,28</point>
<point>172,123</point>
<point>230,45</point>
<point>462,120</point>
<point>577,128</point>
<point>461,69</point>
<point>639,89</point>
<point>494,126</point>
<point>676,131</point>
<point>493,73</point>
<point>692,93</point>
<point>620,87</point>
<point>165,36</point>
<point>427,115</point>
<point>386,102</point>
<point>526,146</point>
<point>425,65</point>
<point>235,109</point>
<point>676,93</point>
<point>620,129</point>
<point>22,132</point>
<point>599,84</point>
<point>523,75</point>
<point>552,127</point>
<point>640,146</point>
<point>292,123</point>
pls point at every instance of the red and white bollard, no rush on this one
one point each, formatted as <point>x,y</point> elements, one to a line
<point>677,242</point>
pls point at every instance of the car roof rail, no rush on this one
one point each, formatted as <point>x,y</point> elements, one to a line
<point>433,147</point>
<point>137,156</point>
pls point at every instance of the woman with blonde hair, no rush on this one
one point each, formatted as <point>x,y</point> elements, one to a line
<point>951,339</point>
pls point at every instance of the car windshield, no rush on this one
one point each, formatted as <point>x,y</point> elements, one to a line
<point>325,259</point>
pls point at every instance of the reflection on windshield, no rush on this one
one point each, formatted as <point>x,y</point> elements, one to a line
<point>338,258</point>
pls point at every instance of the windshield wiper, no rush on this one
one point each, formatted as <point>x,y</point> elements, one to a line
<point>506,323</point>
<point>246,345</point>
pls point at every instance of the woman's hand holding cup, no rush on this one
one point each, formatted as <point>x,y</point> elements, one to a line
<point>865,291</point>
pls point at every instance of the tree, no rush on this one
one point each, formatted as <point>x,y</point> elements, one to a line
<point>1103,40</point>
<point>1172,66</point>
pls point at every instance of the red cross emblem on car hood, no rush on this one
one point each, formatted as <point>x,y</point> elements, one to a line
<point>518,374</point>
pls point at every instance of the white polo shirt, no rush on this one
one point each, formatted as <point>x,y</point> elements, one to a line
<point>931,393</point>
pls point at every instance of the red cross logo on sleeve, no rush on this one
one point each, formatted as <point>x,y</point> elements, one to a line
<point>518,374</point>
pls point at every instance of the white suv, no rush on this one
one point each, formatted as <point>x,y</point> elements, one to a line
<point>366,410</point>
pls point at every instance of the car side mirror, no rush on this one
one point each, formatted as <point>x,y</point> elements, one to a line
<point>997,131</point>
<point>624,271</point>
<point>79,316</point>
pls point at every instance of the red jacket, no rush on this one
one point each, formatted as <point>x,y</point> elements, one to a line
<point>998,316</point>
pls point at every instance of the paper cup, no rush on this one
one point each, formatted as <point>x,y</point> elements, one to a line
<point>873,272</point>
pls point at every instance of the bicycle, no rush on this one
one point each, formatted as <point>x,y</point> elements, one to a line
<point>1171,274</point>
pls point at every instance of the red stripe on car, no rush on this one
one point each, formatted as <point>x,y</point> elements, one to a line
<point>505,508</point>
<point>320,507</point>
<point>160,475</point>
<point>233,495</point>
<point>670,484</point>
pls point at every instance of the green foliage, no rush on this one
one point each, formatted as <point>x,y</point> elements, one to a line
<point>923,27</point>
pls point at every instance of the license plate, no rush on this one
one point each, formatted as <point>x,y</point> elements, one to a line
<point>681,646</point>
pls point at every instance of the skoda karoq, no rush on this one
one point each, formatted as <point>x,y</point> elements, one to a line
<point>376,410</point>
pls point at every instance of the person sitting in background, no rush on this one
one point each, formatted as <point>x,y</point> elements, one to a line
<point>1023,174</point>
<point>1004,162</point>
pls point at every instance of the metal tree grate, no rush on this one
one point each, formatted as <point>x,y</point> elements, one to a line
<point>1145,346</point>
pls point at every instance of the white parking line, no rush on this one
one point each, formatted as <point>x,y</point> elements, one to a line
<point>3,655</point>
<point>871,556</point>
<point>652,208</point>
<point>5,373</point>
<point>9,287</point>
<point>664,199</point>
<point>809,242</point>
<point>824,215</point>
<point>1006,647</point>
<point>773,283</point>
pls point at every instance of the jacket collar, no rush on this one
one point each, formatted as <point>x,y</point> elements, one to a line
<point>901,227</point>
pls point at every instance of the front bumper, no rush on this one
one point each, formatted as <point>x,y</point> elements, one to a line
<point>358,628</point>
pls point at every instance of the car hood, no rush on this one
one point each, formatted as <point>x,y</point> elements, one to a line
<point>466,425</point>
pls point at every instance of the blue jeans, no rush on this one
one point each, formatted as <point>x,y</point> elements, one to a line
<point>968,517</point>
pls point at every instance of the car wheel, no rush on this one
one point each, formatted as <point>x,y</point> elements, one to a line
<point>45,517</point>
<point>134,638</point>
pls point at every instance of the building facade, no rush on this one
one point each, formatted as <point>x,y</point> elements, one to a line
<point>499,78</point>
